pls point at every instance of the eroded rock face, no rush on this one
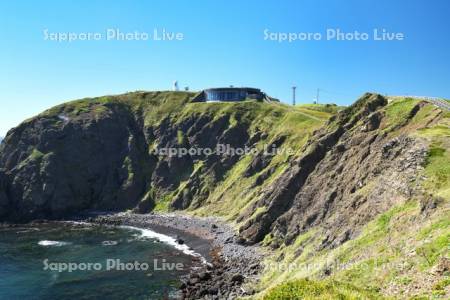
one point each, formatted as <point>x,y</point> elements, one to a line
<point>56,165</point>
<point>350,173</point>
<point>55,168</point>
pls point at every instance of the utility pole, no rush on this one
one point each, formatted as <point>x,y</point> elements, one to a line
<point>293,95</point>
<point>317,96</point>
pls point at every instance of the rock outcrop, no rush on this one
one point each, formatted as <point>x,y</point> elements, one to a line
<point>349,173</point>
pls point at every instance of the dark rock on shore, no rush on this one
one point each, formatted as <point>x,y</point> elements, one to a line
<point>179,240</point>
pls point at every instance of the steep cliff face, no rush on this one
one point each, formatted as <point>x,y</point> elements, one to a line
<point>113,153</point>
<point>61,162</point>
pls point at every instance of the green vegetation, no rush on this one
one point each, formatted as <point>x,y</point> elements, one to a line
<point>393,250</point>
<point>128,165</point>
<point>437,167</point>
<point>180,137</point>
<point>36,154</point>
<point>439,288</point>
<point>327,108</point>
<point>439,130</point>
<point>163,202</point>
<point>35,157</point>
<point>232,195</point>
<point>311,290</point>
<point>432,250</point>
<point>398,112</point>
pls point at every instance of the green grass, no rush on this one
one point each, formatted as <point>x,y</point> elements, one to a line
<point>232,195</point>
<point>327,108</point>
<point>35,157</point>
<point>398,112</point>
<point>163,203</point>
<point>437,170</point>
<point>310,290</point>
<point>369,262</point>
<point>432,250</point>
<point>439,130</point>
<point>36,154</point>
<point>180,137</point>
<point>437,167</point>
<point>438,225</point>
<point>439,288</point>
<point>388,241</point>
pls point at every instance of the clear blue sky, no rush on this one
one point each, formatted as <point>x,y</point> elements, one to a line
<point>223,45</point>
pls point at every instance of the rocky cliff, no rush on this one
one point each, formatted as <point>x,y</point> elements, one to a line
<point>108,153</point>
<point>317,170</point>
<point>349,171</point>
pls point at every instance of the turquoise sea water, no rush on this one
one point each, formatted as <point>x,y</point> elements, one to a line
<point>120,263</point>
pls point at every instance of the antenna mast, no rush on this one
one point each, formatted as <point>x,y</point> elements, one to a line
<point>293,95</point>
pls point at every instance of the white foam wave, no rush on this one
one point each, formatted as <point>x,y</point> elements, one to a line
<point>147,233</point>
<point>47,243</point>
<point>109,243</point>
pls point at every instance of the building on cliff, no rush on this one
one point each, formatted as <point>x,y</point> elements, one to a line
<point>230,94</point>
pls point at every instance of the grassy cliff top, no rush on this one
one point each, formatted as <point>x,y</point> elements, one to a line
<point>154,107</point>
<point>330,108</point>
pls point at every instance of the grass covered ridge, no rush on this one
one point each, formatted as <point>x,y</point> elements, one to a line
<point>401,254</point>
<point>327,108</point>
<point>317,290</point>
<point>398,251</point>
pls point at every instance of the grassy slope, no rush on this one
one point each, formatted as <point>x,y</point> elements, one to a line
<point>397,252</point>
<point>327,108</point>
<point>233,194</point>
<point>326,289</point>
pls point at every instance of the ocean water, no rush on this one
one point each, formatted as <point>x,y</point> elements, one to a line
<point>80,261</point>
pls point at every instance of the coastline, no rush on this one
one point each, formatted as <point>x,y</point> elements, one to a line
<point>231,268</point>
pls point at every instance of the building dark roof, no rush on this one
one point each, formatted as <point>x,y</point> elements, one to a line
<point>234,89</point>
